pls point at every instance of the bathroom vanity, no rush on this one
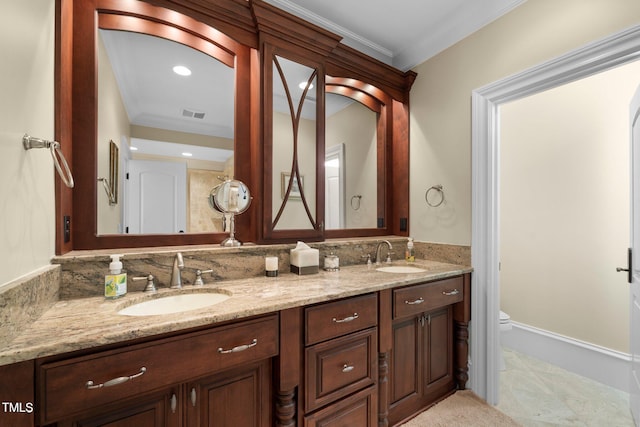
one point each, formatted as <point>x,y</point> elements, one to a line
<point>356,346</point>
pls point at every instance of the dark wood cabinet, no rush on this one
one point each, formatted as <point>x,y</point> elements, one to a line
<point>222,374</point>
<point>153,410</point>
<point>241,398</point>
<point>340,362</point>
<point>17,394</point>
<point>422,341</point>
<point>421,362</point>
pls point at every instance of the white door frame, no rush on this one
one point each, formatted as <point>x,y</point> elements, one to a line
<point>595,57</point>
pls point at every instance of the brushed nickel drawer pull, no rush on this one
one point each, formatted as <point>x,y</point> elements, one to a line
<point>193,396</point>
<point>347,368</point>
<point>346,319</point>
<point>90,385</point>
<point>418,301</point>
<point>450,293</point>
<point>239,348</point>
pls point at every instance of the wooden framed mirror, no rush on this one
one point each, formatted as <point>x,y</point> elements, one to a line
<point>110,37</point>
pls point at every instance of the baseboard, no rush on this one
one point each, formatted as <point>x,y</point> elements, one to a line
<point>609,367</point>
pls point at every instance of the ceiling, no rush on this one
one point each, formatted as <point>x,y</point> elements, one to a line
<point>401,33</point>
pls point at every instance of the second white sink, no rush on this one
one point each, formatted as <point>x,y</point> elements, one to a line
<point>400,269</point>
<point>174,304</point>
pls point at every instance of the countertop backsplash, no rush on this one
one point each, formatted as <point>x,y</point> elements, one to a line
<point>83,271</point>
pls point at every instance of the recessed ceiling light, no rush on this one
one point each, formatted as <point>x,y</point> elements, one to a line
<point>181,70</point>
<point>187,154</point>
<point>132,148</point>
<point>303,85</point>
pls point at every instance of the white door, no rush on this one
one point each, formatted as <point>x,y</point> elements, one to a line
<point>334,214</point>
<point>157,197</point>
<point>634,273</point>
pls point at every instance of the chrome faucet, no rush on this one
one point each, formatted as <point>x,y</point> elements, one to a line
<point>178,265</point>
<point>378,261</point>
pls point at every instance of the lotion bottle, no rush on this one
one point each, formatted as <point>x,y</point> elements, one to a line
<point>409,254</point>
<point>115,283</point>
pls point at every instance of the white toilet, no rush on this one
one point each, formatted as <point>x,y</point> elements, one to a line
<point>505,326</point>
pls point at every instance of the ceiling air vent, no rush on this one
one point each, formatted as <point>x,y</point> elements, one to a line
<point>193,114</point>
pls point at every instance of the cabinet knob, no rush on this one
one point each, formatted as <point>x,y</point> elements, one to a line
<point>347,368</point>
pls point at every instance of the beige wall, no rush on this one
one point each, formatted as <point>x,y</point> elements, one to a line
<point>27,217</point>
<point>113,125</point>
<point>565,208</point>
<point>535,32</point>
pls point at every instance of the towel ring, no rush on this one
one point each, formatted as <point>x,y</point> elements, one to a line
<point>29,142</point>
<point>358,199</point>
<point>437,188</point>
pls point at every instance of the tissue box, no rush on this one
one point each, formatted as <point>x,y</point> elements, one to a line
<point>304,260</point>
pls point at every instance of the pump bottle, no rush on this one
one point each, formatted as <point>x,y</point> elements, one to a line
<point>115,283</point>
<point>409,254</point>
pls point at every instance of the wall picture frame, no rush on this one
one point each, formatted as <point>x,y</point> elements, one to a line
<point>295,193</point>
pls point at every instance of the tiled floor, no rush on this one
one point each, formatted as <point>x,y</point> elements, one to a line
<point>537,394</point>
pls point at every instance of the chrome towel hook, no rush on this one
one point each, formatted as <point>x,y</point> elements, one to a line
<point>29,142</point>
<point>439,190</point>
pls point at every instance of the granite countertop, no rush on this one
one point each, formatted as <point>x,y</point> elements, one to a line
<point>71,325</point>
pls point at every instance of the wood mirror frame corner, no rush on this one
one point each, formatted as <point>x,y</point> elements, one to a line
<point>231,26</point>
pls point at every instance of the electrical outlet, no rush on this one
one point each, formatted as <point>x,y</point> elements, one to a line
<point>67,228</point>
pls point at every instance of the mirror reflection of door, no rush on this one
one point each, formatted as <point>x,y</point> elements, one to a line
<point>156,114</point>
<point>334,216</point>
<point>157,196</point>
<point>353,126</point>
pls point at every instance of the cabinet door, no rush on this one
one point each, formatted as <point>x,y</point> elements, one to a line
<point>156,410</point>
<point>421,368</point>
<point>406,369</point>
<point>236,398</point>
<point>438,354</point>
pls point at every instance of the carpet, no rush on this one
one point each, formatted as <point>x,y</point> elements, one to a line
<point>462,409</point>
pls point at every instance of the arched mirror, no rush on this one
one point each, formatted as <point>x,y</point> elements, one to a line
<point>170,108</point>
<point>351,163</point>
<point>164,91</point>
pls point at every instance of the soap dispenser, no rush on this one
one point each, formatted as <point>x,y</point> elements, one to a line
<point>115,283</point>
<point>409,254</point>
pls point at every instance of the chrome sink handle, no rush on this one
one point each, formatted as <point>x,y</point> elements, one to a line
<point>151,287</point>
<point>199,281</point>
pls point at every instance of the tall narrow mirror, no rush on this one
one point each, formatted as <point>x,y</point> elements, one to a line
<point>170,109</point>
<point>351,160</point>
<point>294,160</point>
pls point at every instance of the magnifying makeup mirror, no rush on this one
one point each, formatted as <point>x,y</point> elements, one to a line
<point>231,197</point>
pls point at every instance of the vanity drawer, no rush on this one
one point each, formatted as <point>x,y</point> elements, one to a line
<point>334,319</point>
<point>64,390</point>
<point>340,367</point>
<point>428,296</point>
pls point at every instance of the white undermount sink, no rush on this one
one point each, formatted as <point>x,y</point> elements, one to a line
<point>400,269</point>
<point>173,304</point>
